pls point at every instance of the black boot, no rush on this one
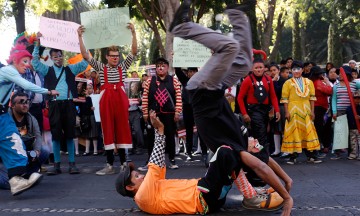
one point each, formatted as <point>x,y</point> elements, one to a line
<point>181,15</point>
<point>54,170</point>
<point>51,158</point>
<point>73,169</point>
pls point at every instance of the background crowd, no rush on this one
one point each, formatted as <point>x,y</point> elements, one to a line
<point>288,107</point>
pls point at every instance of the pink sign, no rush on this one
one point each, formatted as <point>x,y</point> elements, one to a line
<point>59,34</point>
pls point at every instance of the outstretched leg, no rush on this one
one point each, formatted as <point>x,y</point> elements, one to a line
<point>242,34</point>
<point>225,49</point>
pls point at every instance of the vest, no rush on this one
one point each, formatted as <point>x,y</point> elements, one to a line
<point>168,84</point>
<point>50,80</point>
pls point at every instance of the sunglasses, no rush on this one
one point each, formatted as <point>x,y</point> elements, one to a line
<point>114,56</point>
<point>24,101</point>
<point>296,69</point>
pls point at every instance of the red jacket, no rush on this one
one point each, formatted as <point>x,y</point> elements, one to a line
<point>322,92</point>
<point>247,90</point>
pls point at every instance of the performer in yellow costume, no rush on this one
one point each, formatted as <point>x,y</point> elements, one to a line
<point>298,96</point>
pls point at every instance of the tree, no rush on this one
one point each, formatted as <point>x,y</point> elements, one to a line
<point>38,7</point>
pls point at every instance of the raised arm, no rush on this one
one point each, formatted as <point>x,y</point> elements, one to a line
<point>157,156</point>
<point>83,51</point>
<point>181,76</point>
<point>36,63</point>
<point>268,175</point>
<point>134,39</point>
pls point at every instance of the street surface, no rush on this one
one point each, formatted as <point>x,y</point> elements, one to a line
<point>330,189</point>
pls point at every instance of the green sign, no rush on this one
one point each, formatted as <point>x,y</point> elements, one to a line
<point>107,27</point>
<point>188,53</point>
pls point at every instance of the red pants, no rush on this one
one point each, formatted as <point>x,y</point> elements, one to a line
<point>114,114</point>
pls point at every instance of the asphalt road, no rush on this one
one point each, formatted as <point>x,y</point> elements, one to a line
<point>330,189</point>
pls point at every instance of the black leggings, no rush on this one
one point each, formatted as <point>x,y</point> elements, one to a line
<point>219,177</point>
<point>110,156</point>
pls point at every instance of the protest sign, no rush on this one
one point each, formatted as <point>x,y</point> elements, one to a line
<point>188,53</point>
<point>106,27</point>
<point>59,34</point>
<point>95,98</point>
<point>341,133</point>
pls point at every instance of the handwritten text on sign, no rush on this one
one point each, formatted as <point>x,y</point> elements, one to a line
<point>106,27</point>
<point>188,53</point>
<point>59,34</point>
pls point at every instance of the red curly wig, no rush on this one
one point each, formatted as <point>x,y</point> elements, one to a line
<point>17,53</point>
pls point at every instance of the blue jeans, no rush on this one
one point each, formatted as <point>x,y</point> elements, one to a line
<point>36,165</point>
<point>4,179</point>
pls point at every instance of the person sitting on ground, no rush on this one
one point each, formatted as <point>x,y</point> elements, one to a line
<point>189,196</point>
<point>12,149</point>
<point>30,134</point>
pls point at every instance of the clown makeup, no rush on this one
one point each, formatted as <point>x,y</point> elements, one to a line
<point>162,69</point>
<point>23,64</point>
<point>296,71</point>
<point>258,69</point>
<point>113,58</point>
<point>57,58</point>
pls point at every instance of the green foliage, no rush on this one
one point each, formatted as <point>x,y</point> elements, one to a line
<point>40,6</point>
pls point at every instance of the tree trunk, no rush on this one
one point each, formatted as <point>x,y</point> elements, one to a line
<point>253,23</point>
<point>296,40</point>
<point>279,29</point>
<point>303,44</point>
<point>18,9</point>
<point>150,20</point>
<point>168,9</point>
<point>268,30</point>
<point>334,46</point>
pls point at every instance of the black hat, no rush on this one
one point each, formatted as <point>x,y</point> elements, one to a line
<point>296,64</point>
<point>124,179</point>
<point>161,61</point>
<point>315,70</point>
<point>347,69</point>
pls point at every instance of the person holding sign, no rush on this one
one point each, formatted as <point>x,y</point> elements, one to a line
<point>114,103</point>
<point>62,110</point>
<point>12,148</point>
<point>215,121</point>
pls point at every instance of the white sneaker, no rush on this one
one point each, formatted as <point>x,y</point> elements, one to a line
<point>108,170</point>
<point>19,184</point>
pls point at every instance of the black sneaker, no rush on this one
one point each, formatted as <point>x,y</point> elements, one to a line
<point>181,15</point>
<point>189,157</point>
<point>314,160</point>
<point>291,161</point>
<point>173,165</point>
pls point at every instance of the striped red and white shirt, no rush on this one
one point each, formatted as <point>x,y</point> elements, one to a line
<point>145,99</point>
<point>113,73</point>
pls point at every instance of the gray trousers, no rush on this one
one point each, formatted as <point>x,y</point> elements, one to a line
<point>232,56</point>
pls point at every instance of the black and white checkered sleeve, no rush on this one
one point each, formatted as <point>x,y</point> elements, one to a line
<point>158,154</point>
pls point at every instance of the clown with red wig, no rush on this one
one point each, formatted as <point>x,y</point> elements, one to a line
<point>12,149</point>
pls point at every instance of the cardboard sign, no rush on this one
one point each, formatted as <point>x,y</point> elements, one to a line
<point>95,98</point>
<point>59,34</point>
<point>188,53</point>
<point>341,133</point>
<point>107,27</point>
